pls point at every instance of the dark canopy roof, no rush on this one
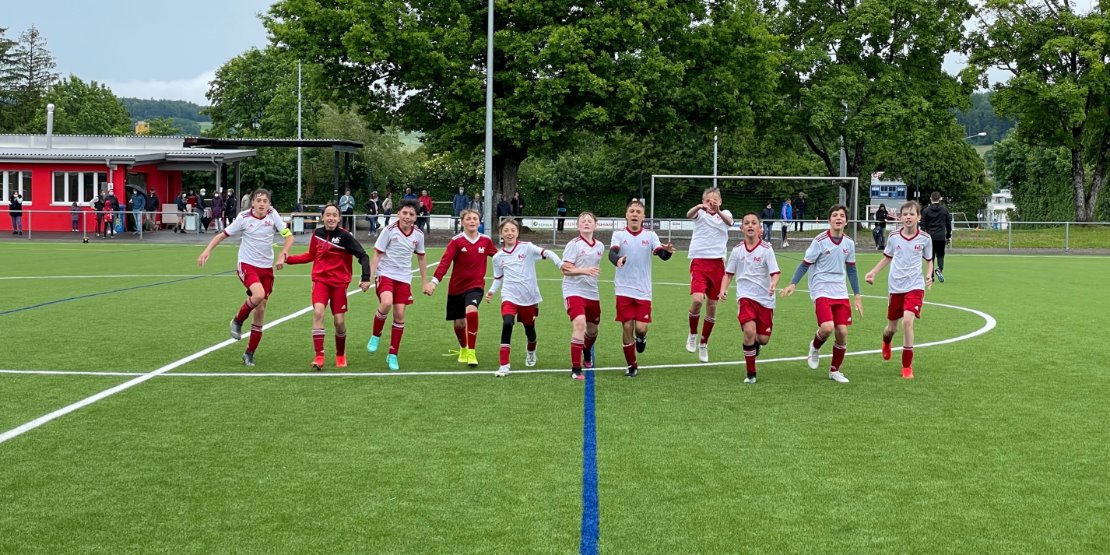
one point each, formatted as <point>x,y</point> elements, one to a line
<point>338,145</point>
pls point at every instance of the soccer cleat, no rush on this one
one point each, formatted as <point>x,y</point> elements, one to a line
<point>940,276</point>
<point>576,375</point>
<point>372,345</point>
<point>318,362</point>
<point>641,344</point>
<point>530,358</point>
<point>631,371</point>
<point>248,359</point>
<point>907,373</point>
<point>391,360</point>
<point>471,357</point>
<point>588,357</point>
<point>886,351</point>
<point>502,371</point>
<point>703,352</point>
<point>749,379</point>
<point>236,329</point>
<point>340,361</point>
<point>838,377</point>
<point>462,354</point>
<point>692,343</point>
<point>814,357</point>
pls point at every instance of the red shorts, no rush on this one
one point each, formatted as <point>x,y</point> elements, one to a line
<point>837,311</point>
<point>630,309</point>
<point>706,275</point>
<point>333,295</point>
<point>900,303</point>
<point>578,306</point>
<point>402,291</point>
<point>250,275</point>
<point>751,311</point>
<point>524,314</point>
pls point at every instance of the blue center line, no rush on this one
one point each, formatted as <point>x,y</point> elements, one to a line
<point>78,297</point>
<point>590,511</point>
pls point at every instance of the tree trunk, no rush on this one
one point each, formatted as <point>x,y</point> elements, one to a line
<point>505,170</point>
<point>1083,211</point>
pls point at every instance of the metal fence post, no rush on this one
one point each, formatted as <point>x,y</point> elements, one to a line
<point>1067,236</point>
<point>1010,237</point>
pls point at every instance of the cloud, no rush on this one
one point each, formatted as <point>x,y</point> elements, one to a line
<point>191,90</point>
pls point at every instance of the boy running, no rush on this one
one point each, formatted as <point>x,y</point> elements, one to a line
<point>756,269</point>
<point>331,251</point>
<point>833,256</point>
<point>630,251</point>
<point>392,264</point>
<point>708,248</point>
<point>469,251</point>
<point>256,262</point>
<point>582,257</point>
<point>903,253</point>
<point>514,273</point>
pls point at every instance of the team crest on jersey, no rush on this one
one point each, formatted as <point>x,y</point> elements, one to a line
<point>644,242</point>
<point>520,256</point>
<point>481,250</point>
<point>917,248</point>
<point>414,243</point>
<point>757,259</point>
<point>844,250</point>
<point>335,240</point>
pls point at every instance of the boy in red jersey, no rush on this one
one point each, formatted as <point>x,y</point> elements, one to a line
<point>392,264</point>
<point>256,262</point>
<point>582,266</point>
<point>708,248</point>
<point>331,250</point>
<point>514,274</point>
<point>469,251</point>
<point>630,251</point>
<point>903,253</point>
<point>833,256</point>
<point>756,269</point>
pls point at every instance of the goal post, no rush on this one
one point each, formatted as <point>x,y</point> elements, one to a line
<point>752,192</point>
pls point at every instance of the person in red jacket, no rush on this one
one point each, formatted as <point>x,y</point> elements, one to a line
<point>468,251</point>
<point>331,251</point>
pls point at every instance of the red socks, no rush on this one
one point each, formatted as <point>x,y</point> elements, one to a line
<point>694,322</point>
<point>630,353</point>
<point>576,347</point>
<point>318,340</point>
<point>460,334</point>
<point>838,356</point>
<point>340,344</point>
<point>907,357</point>
<point>395,337</point>
<point>749,359</point>
<point>706,329</point>
<point>471,329</point>
<point>244,311</point>
<point>379,323</point>
<point>504,356</point>
<point>256,336</point>
<point>817,341</point>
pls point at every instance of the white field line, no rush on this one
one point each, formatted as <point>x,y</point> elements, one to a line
<point>24,428</point>
<point>989,324</point>
<point>119,276</point>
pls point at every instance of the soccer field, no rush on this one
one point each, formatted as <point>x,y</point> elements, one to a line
<point>998,445</point>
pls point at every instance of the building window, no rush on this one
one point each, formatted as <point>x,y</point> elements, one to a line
<point>15,181</point>
<point>79,187</point>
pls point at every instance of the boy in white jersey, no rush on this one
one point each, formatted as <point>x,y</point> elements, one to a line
<point>256,262</point>
<point>582,266</point>
<point>904,251</point>
<point>392,264</point>
<point>756,269</point>
<point>833,256</point>
<point>630,251</point>
<point>514,273</point>
<point>708,248</point>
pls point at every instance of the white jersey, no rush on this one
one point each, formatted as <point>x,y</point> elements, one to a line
<point>583,254</point>
<point>257,245</point>
<point>905,254</point>
<point>829,259</point>
<point>514,273</point>
<point>753,270</point>
<point>634,279</point>
<point>710,239</point>
<point>396,249</point>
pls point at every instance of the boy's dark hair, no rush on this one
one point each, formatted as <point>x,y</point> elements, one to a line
<point>410,203</point>
<point>911,204</point>
<point>836,207</point>
<point>332,204</point>
<point>635,201</point>
<point>935,197</point>
<point>508,221</point>
<point>757,218</point>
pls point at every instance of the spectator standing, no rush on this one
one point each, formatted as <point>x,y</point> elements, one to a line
<point>138,204</point>
<point>787,214</point>
<point>937,222</point>
<point>74,216</point>
<point>15,210</point>
<point>111,204</point>
<point>218,211</point>
<point>230,208</point>
<point>387,207</point>
<point>560,211</point>
<point>766,216</point>
<point>458,204</point>
<point>799,211</point>
<point>202,210</point>
<point>98,209</point>
<point>181,208</point>
<point>879,231</point>
<point>517,206</point>
<point>153,209</point>
<point>409,195</point>
<point>425,211</point>
<point>245,202</point>
<point>504,210</point>
<point>347,209</point>
<point>373,208</point>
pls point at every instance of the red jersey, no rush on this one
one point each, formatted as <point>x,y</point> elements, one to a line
<point>331,254</point>
<point>470,263</point>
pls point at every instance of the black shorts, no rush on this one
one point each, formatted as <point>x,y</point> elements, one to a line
<point>456,304</point>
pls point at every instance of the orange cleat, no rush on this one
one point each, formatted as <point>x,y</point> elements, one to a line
<point>340,361</point>
<point>318,362</point>
<point>886,351</point>
<point>907,373</point>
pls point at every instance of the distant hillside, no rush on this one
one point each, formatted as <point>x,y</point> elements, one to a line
<point>185,115</point>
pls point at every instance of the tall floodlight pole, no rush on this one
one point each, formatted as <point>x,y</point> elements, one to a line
<point>714,157</point>
<point>489,122</point>
<point>299,135</point>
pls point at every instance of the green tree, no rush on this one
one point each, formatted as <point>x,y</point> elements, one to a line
<point>1059,89</point>
<point>163,127</point>
<point>84,109</point>
<point>7,80</point>
<point>255,95</point>
<point>32,75</point>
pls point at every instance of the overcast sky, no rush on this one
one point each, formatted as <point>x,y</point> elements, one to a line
<point>142,48</point>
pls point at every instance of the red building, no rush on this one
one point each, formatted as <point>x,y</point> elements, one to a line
<point>52,172</point>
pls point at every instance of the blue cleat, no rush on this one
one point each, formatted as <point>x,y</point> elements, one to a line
<point>391,360</point>
<point>372,345</point>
